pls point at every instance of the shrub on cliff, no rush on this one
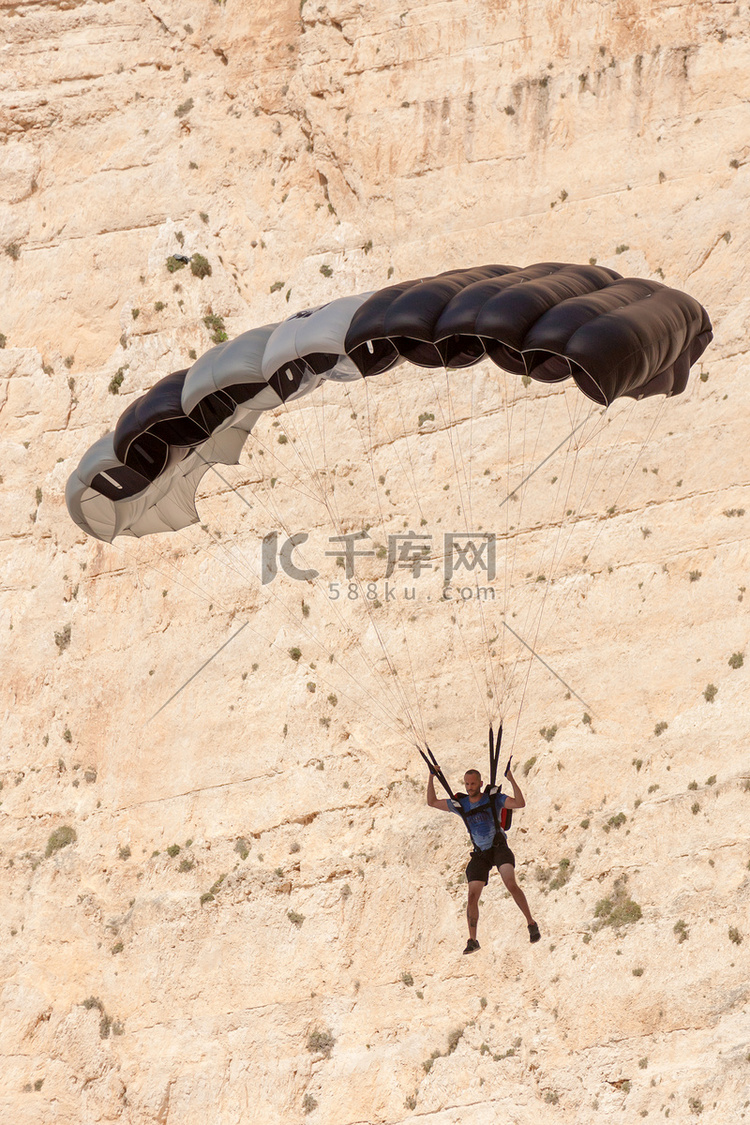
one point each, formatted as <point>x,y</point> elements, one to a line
<point>60,838</point>
<point>618,909</point>
<point>320,1042</point>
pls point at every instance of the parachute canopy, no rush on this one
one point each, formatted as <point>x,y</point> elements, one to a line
<point>612,336</point>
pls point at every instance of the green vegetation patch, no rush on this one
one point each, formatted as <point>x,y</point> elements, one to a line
<point>618,910</point>
<point>616,821</point>
<point>116,381</point>
<point>320,1042</point>
<point>215,325</point>
<point>200,267</point>
<point>59,839</point>
<point>553,878</point>
<point>62,639</point>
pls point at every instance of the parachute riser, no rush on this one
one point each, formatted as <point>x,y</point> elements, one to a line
<point>434,768</point>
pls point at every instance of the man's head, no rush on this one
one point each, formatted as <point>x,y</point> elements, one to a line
<point>473,783</point>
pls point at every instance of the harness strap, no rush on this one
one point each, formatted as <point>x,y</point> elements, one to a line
<point>506,815</point>
<point>502,823</point>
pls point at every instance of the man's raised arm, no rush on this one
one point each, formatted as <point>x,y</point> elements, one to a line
<point>432,799</point>
<point>517,800</point>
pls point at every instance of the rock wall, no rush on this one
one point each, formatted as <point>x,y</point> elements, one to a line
<point>239,906</point>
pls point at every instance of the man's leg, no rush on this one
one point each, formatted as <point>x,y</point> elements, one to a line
<point>508,876</point>
<point>472,910</point>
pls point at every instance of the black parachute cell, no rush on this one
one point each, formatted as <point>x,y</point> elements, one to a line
<point>244,392</point>
<point>411,320</point>
<point>119,482</point>
<point>212,410</point>
<point>510,314</point>
<point>289,379</point>
<point>455,332</point>
<point>639,349</point>
<point>153,424</point>
<point>398,322</point>
<point>366,341</point>
<point>548,339</point>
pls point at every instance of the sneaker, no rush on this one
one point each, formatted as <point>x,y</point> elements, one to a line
<point>472,945</point>
<point>534,934</point>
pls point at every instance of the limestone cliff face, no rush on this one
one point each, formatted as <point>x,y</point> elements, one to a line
<point>239,907</point>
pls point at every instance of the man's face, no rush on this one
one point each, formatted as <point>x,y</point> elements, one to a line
<point>473,783</point>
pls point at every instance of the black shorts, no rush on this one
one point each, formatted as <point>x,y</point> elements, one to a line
<point>481,863</point>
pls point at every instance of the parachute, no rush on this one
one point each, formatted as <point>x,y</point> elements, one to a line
<point>550,345</point>
<point>613,337</point>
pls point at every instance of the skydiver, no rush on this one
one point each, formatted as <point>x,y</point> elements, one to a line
<point>490,845</point>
